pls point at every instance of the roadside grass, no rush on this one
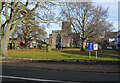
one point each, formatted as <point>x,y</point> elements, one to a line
<point>105,51</point>
<point>109,52</point>
<point>58,55</point>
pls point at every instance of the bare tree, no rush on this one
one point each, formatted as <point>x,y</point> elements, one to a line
<point>87,20</point>
<point>30,30</point>
<point>12,13</point>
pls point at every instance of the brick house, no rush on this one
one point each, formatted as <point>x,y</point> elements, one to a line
<point>16,43</point>
<point>109,40</point>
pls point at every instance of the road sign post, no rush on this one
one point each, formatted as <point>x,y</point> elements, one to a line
<point>96,54</point>
<point>95,47</point>
<point>89,55</point>
<point>91,47</point>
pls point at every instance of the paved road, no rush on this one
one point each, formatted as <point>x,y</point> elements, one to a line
<point>35,75</point>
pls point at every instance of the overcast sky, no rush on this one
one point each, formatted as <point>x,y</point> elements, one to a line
<point>113,14</point>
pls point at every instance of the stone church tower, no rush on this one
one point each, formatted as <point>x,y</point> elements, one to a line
<point>66,27</point>
<point>64,37</point>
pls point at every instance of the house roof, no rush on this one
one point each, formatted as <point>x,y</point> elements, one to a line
<point>110,34</point>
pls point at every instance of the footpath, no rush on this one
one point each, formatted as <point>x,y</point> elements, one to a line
<point>62,65</point>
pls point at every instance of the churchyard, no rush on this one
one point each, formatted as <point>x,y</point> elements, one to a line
<point>61,54</point>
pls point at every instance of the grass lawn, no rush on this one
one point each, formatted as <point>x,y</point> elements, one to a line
<point>100,51</point>
<point>42,54</point>
<point>109,52</point>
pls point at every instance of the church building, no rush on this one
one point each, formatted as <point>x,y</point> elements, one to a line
<point>64,37</point>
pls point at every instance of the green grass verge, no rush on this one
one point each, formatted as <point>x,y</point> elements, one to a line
<point>42,54</point>
<point>109,52</point>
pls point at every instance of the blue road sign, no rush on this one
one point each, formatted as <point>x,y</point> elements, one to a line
<point>92,46</point>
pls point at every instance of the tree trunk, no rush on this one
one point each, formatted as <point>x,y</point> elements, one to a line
<point>83,45</point>
<point>4,45</point>
<point>83,39</point>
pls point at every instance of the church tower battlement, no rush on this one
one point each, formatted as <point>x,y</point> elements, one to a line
<point>66,27</point>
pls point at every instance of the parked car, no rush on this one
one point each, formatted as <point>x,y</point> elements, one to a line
<point>109,48</point>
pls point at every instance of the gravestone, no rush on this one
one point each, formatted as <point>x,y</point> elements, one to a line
<point>48,48</point>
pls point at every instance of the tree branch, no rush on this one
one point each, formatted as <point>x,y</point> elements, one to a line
<point>2,4</point>
<point>47,21</point>
<point>26,14</point>
<point>92,35</point>
<point>15,15</point>
<point>12,29</point>
<point>6,10</point>
<point>78,21</point>
<point>11,13</point>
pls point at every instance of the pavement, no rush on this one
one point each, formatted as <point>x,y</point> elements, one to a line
<point>63,65</point>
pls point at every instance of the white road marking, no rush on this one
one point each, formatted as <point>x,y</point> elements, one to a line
<point>34,79</point>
